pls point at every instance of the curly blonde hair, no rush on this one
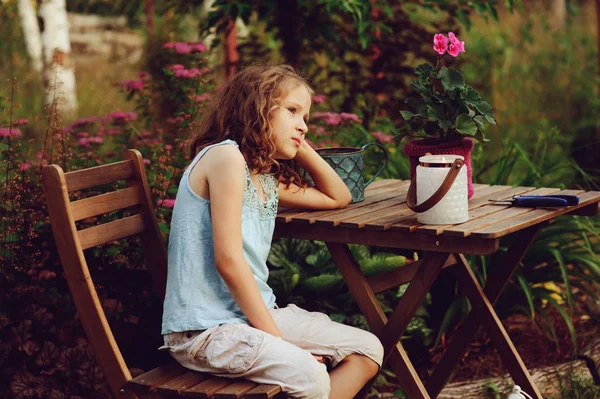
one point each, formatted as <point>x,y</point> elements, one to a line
<point>241,111</point>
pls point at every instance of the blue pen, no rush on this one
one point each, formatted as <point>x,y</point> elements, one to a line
<point>533,201</point>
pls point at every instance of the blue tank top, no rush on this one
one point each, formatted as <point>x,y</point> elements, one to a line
<point>196,296</point>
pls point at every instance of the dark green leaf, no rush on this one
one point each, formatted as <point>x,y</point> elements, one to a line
<point>407,115</point>
<point>465,125</point>
<point>424,70</point>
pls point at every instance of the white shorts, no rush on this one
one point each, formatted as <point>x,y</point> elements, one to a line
<point>239,350</point>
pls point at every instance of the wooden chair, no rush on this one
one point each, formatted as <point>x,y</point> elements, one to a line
<point>170,380</point>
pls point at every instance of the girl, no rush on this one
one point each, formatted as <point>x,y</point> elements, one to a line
<point>219,314</point>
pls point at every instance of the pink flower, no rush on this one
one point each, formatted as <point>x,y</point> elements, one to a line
<point>169,45</point>
<point>146,161</point>
<point>318,98</point>
<point>133,85</point>
<point>168,147</point>
<point>456,46</point>
<point>10,132</point>
<point>83,142</point>
<point>90,120</point>
<point>175,67</point>
<point>167,203</point>
<point>113,132</point>
<point>440,43</point>
<point>352,117</point>
<point>20,122</point>
<point>24,166</point>
<point>198,47</point>
<point>82,134</point>
<point>382,137</point>
<point>142,75</point>
<point>182,48</point>
<point>202,97</point>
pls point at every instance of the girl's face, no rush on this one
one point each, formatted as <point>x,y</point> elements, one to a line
<point>289,122</point>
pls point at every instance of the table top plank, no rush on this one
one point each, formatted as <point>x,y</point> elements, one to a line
<point>479,199</point>
<point>411,224</point>
<point>354,215</point>
<point>492,214</point>
<point>385,209</point>
<point>538,215</point>
<point>309,217</point>
<point>480,208</point>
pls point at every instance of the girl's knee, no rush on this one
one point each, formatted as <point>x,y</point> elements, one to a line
<point>315,383</point>
<point>319,384</point>
<point>374,348</point>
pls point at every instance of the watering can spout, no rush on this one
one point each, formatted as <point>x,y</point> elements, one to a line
<point>518,393</point>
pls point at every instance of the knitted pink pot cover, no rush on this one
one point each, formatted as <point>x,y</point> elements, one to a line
<point>417,148</point>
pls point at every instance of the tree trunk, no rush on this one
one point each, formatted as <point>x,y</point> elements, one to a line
<point>31,32</point>
<point>232,56</point>
<point>558,13</point>
<point>59,70</point>
<point>150,19</point>
<point>598,40</point>
<point>289,31</point>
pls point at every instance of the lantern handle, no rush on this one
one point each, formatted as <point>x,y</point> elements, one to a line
<point>441,192</point>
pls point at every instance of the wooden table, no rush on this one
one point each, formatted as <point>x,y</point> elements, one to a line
<point>383,219</point>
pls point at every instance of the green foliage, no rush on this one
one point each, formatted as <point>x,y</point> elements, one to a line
<point>574,386</point>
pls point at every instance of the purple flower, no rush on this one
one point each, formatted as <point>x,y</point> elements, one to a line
<point>20,122</point>
<point>24,166</point>
<point>90,120</point>
<point>82,134</point>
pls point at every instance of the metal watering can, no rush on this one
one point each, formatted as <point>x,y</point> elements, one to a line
<point>349,164</point>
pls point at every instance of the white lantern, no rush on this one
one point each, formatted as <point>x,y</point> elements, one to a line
<point>454,206</point>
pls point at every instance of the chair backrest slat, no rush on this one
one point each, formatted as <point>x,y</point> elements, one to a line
<point>71,243</point>
<point>99,175</point>
<point>105,203</point>
<point>115,230</point>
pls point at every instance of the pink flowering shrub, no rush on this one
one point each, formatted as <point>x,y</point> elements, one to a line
<point>174,92</point>
<point>446,107</point>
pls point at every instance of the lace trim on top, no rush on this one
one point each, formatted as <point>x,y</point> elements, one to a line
<point>266,209</point>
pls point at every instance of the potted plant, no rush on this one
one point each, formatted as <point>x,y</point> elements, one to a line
<point>447,114</point>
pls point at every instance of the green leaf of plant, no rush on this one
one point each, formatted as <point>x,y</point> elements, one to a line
<point>406,115</point>
<point>465,125</point>
<point>485,109</point>
<point>451,79</point>
<point>444,124</point>
<point>479,120</point>
<point>470,96</point>
<point>424,70</point>
<point>565,275</point>
<point>528,294</point>
<point>490,119</point>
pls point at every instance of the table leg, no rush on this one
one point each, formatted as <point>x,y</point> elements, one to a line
<point>500,339</point>
<point>465,333</point>
<point>367,302</point>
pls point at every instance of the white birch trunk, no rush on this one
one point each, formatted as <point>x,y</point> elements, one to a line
<point>59,70</point>
<point>31,32</point>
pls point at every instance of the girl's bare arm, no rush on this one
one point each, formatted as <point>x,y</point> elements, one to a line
<point>329,192</point>
<point>225,174</point>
